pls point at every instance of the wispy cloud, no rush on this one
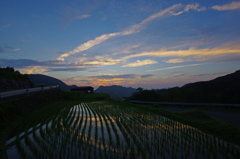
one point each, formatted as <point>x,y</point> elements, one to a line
<point>5,26</point>
<point>2,50</point>
<point>191,54</point>
<point>187,8</point>
<point>78,10</point>
<point>161,13</point>
<point>174,67</point>
<point>175,60</point>
<point>225,53</point>
<point>195,7</point>
<point>82,16</point>
<point>7,48</point>
<point>101,61</point>
<point>230,6</point>
<point>140,63</point>
<point>126,49</point>
<point>87,45</point>
<point>132,30</point>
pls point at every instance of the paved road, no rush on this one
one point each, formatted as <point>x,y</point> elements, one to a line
<point>25,91</point>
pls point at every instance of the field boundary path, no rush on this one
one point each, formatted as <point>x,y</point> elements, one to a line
<point>186,104</point>
<point>26,91</point>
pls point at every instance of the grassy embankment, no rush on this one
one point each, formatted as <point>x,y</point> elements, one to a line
<point>57,101</point>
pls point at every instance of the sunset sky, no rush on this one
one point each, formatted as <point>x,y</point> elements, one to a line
<point>137,43</point>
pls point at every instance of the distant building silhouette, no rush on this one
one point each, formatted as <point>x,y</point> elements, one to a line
<point>86,89</point>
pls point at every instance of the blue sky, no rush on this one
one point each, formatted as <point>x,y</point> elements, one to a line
<point>137,43</point>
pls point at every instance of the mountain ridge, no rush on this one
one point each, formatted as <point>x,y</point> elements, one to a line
<point>223,89</point>
<point>116,91</point>
<point>220,89</point>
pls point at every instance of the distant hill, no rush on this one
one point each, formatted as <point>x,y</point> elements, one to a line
<point>116,91</point>
<point>218,84</point>
<point>39,79</point>
<point>224,89</point>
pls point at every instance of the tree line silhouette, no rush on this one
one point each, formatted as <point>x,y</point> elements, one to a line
<point>225,89</point>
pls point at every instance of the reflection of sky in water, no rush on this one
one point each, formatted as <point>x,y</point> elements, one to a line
<point>146,127</point>
<point>12,152</point>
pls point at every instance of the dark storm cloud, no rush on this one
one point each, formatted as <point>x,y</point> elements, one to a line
<point>19,63</point>
<point>8,47</point>
<point>115,76</point>
<point>68,69</point>
<point>132,76</point>
<point>52,65</point>
<point>211,74</point>
<point>146,76</point>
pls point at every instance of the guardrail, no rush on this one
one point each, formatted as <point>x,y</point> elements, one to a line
<point>26,91</point>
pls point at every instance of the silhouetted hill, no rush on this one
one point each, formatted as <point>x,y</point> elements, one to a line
<point>229,80</point>
<point>39,79</point>
<point>116,91</point>
<point>224,89</point>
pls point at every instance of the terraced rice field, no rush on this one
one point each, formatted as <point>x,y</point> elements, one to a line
<point>101,130</point>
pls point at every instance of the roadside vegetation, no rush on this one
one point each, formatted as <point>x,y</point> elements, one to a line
<point>94,126</point>
<point>10,72</point>
<point>13,107</point>
<point>11,79</point>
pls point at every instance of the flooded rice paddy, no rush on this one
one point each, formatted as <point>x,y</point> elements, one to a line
<point>101,130</point>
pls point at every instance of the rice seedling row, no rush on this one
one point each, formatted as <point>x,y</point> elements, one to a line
<point>102,130</point>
